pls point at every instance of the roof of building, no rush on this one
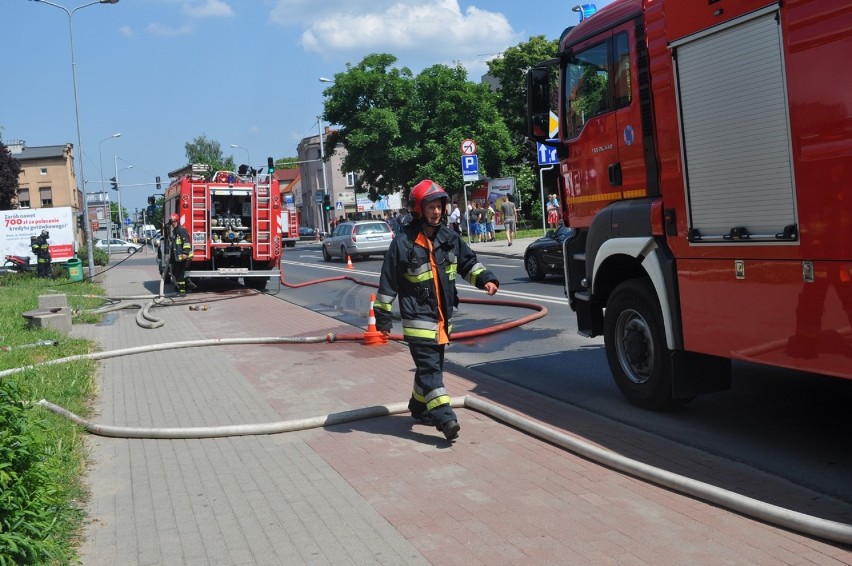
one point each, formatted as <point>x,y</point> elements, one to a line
<point>41,152</point>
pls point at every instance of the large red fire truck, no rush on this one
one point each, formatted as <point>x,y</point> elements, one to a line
<point>235,222</point>
<point>705,158</point>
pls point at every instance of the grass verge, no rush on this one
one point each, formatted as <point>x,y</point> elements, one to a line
<point>42,457</point>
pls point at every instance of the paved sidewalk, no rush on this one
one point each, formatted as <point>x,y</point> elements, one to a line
<point>383,490</point>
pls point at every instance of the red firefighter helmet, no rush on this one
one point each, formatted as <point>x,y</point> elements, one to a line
<point>174,218</point>
<point>423,192</point>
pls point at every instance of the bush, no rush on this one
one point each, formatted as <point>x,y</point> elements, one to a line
<point>101,257</point>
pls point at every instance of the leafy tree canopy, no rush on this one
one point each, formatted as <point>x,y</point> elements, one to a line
<point>511,70</point>
<point>202,150</point>
<point>398,128</point>
<point>10,170</point>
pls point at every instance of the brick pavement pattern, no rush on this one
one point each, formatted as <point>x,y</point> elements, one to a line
<point>383,490</point>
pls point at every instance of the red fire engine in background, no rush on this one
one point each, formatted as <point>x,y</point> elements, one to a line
<point>705,158</point>
<point>235,222</point>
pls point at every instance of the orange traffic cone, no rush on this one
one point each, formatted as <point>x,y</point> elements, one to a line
<point>349,263</point>
<point>373,337</point>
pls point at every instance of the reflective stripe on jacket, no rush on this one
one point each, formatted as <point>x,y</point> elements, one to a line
<point>425,281</point>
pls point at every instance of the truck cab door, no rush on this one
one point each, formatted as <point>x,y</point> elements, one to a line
<point>601,125</point>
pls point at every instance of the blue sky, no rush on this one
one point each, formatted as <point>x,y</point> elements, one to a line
<point>244,72</point>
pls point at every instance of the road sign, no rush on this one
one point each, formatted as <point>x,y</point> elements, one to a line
<point>127,221</point>
<point>547,153</point>
<point>468,147</point>
<point>319,198</point>
<point>339,205</point>
<point>470,167</point>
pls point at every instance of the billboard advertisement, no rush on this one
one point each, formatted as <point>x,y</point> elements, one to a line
<point>18,226</point>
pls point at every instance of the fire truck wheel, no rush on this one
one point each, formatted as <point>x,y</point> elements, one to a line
<point>257,283</point>
<point>325,255</point>
<point>636,345</point>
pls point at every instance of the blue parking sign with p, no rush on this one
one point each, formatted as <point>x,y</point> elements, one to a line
<point>470,167</point>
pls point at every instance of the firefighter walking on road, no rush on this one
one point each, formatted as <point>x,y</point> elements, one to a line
<point>180,253</point>
<point>41,249</point>
<point>421,267</point>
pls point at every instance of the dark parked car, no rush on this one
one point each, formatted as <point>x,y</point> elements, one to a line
<point>307,234</point>
<point>357,239</point>
<point>544,256</point>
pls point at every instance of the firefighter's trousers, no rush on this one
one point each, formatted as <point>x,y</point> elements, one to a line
<point>43,267</point>
<point>429,394</point>
<point>178,272</point>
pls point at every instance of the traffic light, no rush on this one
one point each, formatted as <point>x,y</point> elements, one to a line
<point>152,200</point>
<point>158,184</point>
<point>114,183</point>
<point>326,202</point>
<point>270,165</point>
<point>81,224</point>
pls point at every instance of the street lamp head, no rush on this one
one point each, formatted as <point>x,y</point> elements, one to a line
<point>109,1</point>
<point>116,135</point>
<point>235,145</point>
<point>325,80</point>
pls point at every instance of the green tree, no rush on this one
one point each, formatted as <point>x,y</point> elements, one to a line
<point>286,162</point>
<point>10,170</point>
<point>398,129</point>
<point>511,71</point>
<point>201,150</point>
<point>366,102</point>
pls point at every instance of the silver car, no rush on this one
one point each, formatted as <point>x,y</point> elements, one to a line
<point>357,239</point>
<point>115,245</point>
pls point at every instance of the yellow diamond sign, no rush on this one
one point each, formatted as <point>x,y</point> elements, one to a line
<point>553,127</point>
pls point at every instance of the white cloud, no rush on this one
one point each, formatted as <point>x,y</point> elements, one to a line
<point>436,30</point>
<point>208,9</point>
<point>127,31</point>
<point>168,31</point>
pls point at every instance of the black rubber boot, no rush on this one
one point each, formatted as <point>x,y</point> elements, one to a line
<point>451,429</point>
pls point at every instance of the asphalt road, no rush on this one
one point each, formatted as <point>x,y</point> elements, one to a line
<point>790,424</point>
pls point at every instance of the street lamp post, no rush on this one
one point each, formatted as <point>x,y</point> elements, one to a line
<point>104,194</point>
<point>247,153</point>
<point>118,190</point>
<point>81,178</point>
<point>325,219</point>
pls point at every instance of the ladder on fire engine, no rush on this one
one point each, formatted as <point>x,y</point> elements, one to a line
<point>199,208</point>
<point>263,222</point>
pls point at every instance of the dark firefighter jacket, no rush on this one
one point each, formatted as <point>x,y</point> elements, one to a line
<point>181,244</point>
<point>41,249</point>
<point>425,283</point>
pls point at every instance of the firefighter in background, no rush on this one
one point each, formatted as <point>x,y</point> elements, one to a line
<point>41,249</point>
<point>180,253</point>
<point>421,267</point>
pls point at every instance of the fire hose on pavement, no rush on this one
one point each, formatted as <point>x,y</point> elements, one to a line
<point>772,514</point>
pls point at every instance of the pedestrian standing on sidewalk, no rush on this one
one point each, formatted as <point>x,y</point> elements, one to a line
<point>510,216</point>
<point>489,222</point>
<point>420,267</point>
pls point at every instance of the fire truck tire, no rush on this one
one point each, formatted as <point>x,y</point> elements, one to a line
<point>257,283</point>
<point>636,348</point>
<point>325,255</point>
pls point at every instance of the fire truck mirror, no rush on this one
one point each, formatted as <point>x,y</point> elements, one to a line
<point>538,102</point>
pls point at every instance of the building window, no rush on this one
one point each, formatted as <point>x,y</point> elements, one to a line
<point>350,179</point>
<point>43,170</point>
<point>46,196</point>
<point>23,198</point>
